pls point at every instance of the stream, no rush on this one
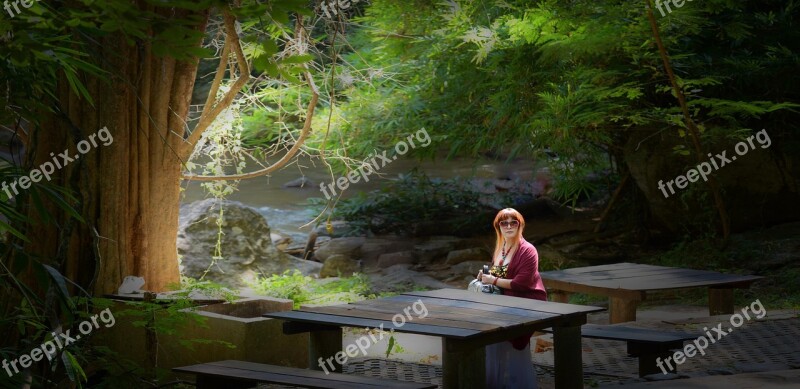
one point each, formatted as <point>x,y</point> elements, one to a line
<point>287,210</point>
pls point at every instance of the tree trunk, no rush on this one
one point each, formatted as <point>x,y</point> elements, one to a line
<point>128,192</point>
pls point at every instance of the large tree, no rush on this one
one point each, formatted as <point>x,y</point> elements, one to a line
<point>100,94</point>
<point>138,67</point>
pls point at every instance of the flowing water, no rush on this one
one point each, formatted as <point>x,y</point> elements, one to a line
<point>286,209</point>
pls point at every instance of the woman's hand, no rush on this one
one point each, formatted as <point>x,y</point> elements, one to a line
<point>486,278</point>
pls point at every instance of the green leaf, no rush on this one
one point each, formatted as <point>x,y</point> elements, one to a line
<point>77,86</point>
<point>58,196</point>
<point>7,227</point>
<point>61,283</point>
<point>391,345</point>
<point>73,368</point>
<point>269,47</point>
<point>298,59</point>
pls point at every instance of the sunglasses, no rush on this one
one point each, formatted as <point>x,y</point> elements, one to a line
<point>512,223</point>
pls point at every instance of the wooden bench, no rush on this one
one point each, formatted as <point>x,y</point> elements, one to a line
<point>240,374</point>
<point>645,344</point>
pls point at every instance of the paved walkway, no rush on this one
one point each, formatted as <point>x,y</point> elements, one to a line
<point>761,352</point>
<point>757,345</point>
<point>783,379</point>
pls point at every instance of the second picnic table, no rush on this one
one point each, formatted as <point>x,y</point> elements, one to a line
<point>627,284</point>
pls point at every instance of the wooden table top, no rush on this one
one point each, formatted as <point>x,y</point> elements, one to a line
<point>638,277</point>
<point>452,313</point>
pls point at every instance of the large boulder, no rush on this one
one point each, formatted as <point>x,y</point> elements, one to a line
<point>349,247</point>
<point>373,248</point>
<point>247,248</point>
<point>463,273</point>
<point>339,265</point>
<point>391,259</point>
<point>471,254</point>
<point>435,248</point>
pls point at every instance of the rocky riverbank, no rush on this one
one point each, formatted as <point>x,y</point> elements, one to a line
<point>248,248</point>
<point>400,263</point>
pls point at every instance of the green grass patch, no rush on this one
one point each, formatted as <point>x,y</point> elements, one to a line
<point>303,289</point>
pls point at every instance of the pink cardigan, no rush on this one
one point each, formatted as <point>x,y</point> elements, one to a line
<point>523,270</point>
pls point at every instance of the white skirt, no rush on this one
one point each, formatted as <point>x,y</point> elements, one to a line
<point>509,368</point>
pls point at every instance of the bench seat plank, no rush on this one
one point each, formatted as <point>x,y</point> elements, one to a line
<point>643,343</point>
<point>611,332</point>
<point>231,372</point>
<point>634,334</point>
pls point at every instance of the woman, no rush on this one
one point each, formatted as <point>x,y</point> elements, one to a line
<point>515,269</point>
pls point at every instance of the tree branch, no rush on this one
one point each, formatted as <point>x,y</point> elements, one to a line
<point>210,113</point>
<point>223,62</point>
<point>295,148</point>
<point>690,124</point>
<point>286,158</point>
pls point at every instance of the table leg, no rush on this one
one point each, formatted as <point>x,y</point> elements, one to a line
<point>462,368</point>
<point>720,301</point>
<point>568,356</point>
<point>622,310</point>
<point>648,363</point>
<point>322,348</point>
<point>559,296</point>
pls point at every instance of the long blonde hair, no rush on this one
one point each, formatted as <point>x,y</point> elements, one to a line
<point>503,215</point>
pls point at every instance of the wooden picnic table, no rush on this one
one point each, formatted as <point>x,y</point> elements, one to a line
<point>466,321</point>
<point>627,284</point>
